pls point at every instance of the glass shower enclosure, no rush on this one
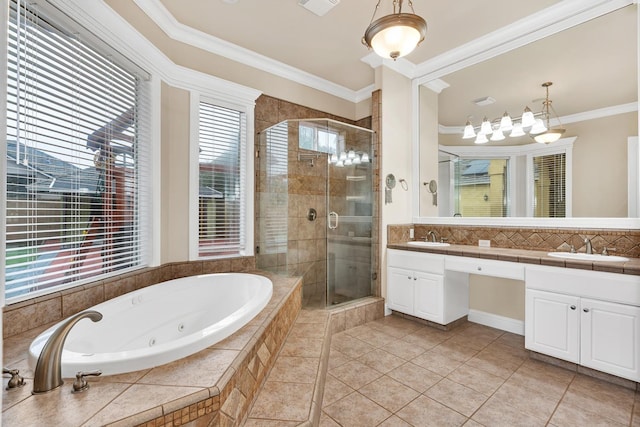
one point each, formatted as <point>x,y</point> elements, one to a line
<point>315,207</point>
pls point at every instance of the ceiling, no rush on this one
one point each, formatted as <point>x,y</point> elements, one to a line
<point>592,65</point>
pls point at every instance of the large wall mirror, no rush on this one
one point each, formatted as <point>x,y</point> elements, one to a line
<point>588,174</point>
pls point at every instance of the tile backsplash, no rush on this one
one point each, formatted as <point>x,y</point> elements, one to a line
<point>618,242</point>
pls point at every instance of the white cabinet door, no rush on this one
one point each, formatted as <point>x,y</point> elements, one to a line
<point>552,324</point>
<point>429,296</point>
<point>400,290</point>
<point>610,338</point>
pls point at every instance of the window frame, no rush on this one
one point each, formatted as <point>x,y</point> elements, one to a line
<point>146,100</point>
<point>247,163</point>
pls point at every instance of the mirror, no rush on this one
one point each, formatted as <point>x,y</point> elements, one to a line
<point>593,67</point>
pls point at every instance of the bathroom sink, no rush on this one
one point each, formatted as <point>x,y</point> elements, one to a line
<point>588,257</point>
<point>427,244</point>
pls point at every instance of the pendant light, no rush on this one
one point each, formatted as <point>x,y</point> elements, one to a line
<point>395,35</point>
<point>550,135</point>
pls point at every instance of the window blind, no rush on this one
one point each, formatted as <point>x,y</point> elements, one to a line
<point>274,206</point>
<point>222,171</point>
<point>549,184</point>
<point>75,162</point>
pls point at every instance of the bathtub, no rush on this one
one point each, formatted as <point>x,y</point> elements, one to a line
<point>160,323</point>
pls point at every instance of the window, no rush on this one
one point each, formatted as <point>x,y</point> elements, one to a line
<point>75,162</point>
<point>549,186</point>
<point>222,180</point>
<point>481,187</point>
<point>315,138</point>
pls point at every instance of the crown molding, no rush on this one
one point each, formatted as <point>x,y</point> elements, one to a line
<point>106,24</point>
<point>571,118</point>
<point>437,85</point>
<point>185,34</point>
<point>482,151</point>
<point>556,18</point>
<point>402,65</point>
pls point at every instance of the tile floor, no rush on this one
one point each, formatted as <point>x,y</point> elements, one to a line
<point>397,372</point>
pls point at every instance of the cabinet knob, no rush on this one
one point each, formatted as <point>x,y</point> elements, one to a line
<point>573,307</point>
<point>479,268</point>
<point>409,277</point>
<point>586,310</point>
<point>415,278</point>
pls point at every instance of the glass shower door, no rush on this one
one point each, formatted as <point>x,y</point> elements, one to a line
<point>349,226</point>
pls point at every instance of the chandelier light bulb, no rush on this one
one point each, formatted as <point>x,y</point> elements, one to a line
<point>506,123</point>
<point>469,132</point>
<point>528,118</point>
<point>343,156</point>
<point>497,135</point>
<point>351,155</point>
<point>481,139</point>
<point>365,158</point>
<point>485,128</point>
<point>517,130</point>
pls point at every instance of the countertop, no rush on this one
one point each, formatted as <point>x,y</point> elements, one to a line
<point>525,256</point>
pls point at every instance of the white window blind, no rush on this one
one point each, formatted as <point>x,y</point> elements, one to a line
<point>222,175</point>
<point>274,206</point>
<point>549,186</point>
<point>75,164</point>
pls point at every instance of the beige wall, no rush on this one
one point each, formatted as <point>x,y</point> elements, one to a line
<point>206,62</point>
<point>600,165</point>
<point>395,153</point>
<point>504,297</point>
<point>175,174</point>
<point>428,148</point>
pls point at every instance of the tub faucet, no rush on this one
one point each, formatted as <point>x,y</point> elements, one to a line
<point>48,372</point>
<point>432,234</point>
<point>589,248</point>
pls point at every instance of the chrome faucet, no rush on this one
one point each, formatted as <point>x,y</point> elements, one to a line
<point>432,234</point>
<point>48,373</point>
<point>589,248</point>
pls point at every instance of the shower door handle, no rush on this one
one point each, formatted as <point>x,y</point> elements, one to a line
<point>335,225</point>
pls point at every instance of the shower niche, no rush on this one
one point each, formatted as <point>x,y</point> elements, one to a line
<point>325,166</point>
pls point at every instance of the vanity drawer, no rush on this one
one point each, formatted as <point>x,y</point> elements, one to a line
<point>485,267</point>
<point>420,261</point>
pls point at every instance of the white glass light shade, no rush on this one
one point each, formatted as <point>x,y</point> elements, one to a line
<point>365,158</point>
<point>356,160</point>
<point>343,156</point>
<point>497,135</point>
<point>517,130</point>
<point>396,35</point>
<point>506,123</point>
<point>485,128</point>
<point>469,132</point>
<point>348,162</point>
<point>340,164</point>
<point>334,158</point>
<point>550,136</point>
<point>528,118</point>
<point>351,155</point>
<point>538,127</point>
<point>481,139</point>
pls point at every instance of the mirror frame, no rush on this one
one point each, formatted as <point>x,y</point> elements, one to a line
<point>544,23</point>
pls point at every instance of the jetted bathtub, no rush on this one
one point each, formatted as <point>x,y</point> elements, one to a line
<point>160,323</point>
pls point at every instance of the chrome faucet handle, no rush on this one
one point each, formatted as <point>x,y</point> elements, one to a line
<point>80,384</point>
<point>443,240</point>
<point>572,249</point>
<point>606,250</point>
<point>16,380</point>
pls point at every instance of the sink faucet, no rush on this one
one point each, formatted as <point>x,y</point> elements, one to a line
<point>48,373</point>
<point>432,234</point>
<point>589,248</point>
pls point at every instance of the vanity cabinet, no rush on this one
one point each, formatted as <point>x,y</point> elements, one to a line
<point>586,317</point>
<point>417,285</point>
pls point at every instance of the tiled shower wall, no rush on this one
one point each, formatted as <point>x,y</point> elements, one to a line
<point>305,250</point>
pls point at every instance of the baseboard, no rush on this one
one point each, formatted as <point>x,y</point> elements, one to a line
<point>495,321</point>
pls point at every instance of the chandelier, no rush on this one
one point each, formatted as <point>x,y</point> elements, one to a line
<point>395,35</point>
<point>537,125</point>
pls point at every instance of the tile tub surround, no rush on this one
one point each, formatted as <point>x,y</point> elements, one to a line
<point>212,387</point>
<point>26,315</point>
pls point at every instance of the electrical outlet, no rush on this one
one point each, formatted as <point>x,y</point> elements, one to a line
<point>484,243</point>
<point>411,235</point>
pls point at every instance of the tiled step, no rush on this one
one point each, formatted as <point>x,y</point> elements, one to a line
<point>292,393</point>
